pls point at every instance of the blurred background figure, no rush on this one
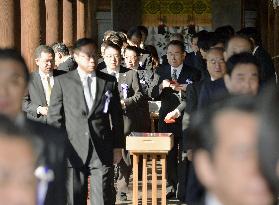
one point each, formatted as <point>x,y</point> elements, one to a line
<point>224,138</point>
<point>269,138</point>
<point>63,60</point>
<point>18,160</point>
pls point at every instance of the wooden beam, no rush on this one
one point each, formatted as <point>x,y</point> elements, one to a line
<point>68,32</point>
<point>52,21</point>
<point>30,30</point>
<point>80,19</point>
<point>7,31</point>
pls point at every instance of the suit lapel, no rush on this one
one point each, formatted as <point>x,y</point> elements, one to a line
<point>100,85</point>
<point>80,89</point>
<point>39,85</point>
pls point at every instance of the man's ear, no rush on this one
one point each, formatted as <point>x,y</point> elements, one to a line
<point>227,81</point>
<point>225,56</point>
<point>76,57</point>
<point>204,168</point>
<point>37,61</point>
<point>277,169</point>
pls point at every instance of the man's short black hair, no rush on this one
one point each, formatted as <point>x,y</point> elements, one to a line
<point>61,48</point>
<point>134,31</point>
<point>43,49</point>
<point>269,137</point>
<point>110,44</point>
<point>84,42</point>
<point>251,32</point>
<point>226,30</point>
<point>178,44</point>
<point>201,131</point>
<point>133,48</point>
<point>12,54</point>
<point>240,36</point>
<point>241,58</point>
<point>143,29</point>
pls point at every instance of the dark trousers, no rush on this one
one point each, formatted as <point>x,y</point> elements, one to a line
<point>173,155</point>
<point>102,191</point>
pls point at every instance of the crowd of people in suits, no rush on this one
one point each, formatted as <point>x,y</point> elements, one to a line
<point>68,120</point>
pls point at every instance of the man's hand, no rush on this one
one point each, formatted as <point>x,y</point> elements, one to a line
<point>42,110</point>
<point>117,155</point>
<point>173,115</point>
<point>166,83</point>
<point>123,104</point>
<point>178,87</point>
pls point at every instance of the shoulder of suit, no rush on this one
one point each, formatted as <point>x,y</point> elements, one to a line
<point>105,76</point>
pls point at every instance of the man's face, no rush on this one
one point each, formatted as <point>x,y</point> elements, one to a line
<point>131,59</point>
<point>194,45</point>
<point>112,58</point>
<point>45,62</point>
<point>17,179</point>
<point>236,46</point>
<point>175,55</point>
<point>234,176</point>
<point>86,58</point>
<point>12,87</point>
<point>216,64</point>
<point>243,80</point>
<point>135,41</point>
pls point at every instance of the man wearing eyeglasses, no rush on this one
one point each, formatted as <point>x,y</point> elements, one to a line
<point>168,83</point>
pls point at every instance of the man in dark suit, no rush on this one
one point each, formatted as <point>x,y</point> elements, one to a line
<point>86,102</point>
<point>14,79</point>
<point>242,78</point>
<point>63,60</point>
<point>267,71</point>
<point>36,102</point>
<point>130,97</point>
<point>167,85</point>
<point>225,145</point>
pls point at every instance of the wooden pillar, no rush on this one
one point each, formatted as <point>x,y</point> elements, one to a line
<point>90,16</point>
<point>30,30</point>
<point>68,34</point>
<point>80,19</point>
<point>52,21</point>
<point>7,37</point>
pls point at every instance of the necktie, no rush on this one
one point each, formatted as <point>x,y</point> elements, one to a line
<point>174,76</point>
<point>48,91</point>
<point>88,93</point>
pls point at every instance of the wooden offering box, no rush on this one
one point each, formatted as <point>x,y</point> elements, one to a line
<point>149,142</point>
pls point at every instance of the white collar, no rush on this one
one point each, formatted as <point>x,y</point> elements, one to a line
<point>43,75</point>
<point>110,71</point>
<point>178,70</point>
<point>255,49</point>
<point>211,199</point>
<point>83,75</point>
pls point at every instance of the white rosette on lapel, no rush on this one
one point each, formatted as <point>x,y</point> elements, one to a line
<point>108,96</point>
<point>124,88</point>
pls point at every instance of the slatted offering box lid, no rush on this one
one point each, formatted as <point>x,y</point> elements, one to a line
<point>149,142</point>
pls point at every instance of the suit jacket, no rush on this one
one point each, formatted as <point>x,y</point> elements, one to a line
<point>210,91</point>
<point>170,98</point>
<point>68,65</point>
<point>134,97</point>
<point>36,97</point>
<point>52,154</point>
<point>98,128</point>
<point>267,71</point>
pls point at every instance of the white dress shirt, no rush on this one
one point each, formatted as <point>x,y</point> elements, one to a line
<point>178,70</point>
<point>116,71</point>
<point>46,84</point>
<point>86,90</point>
